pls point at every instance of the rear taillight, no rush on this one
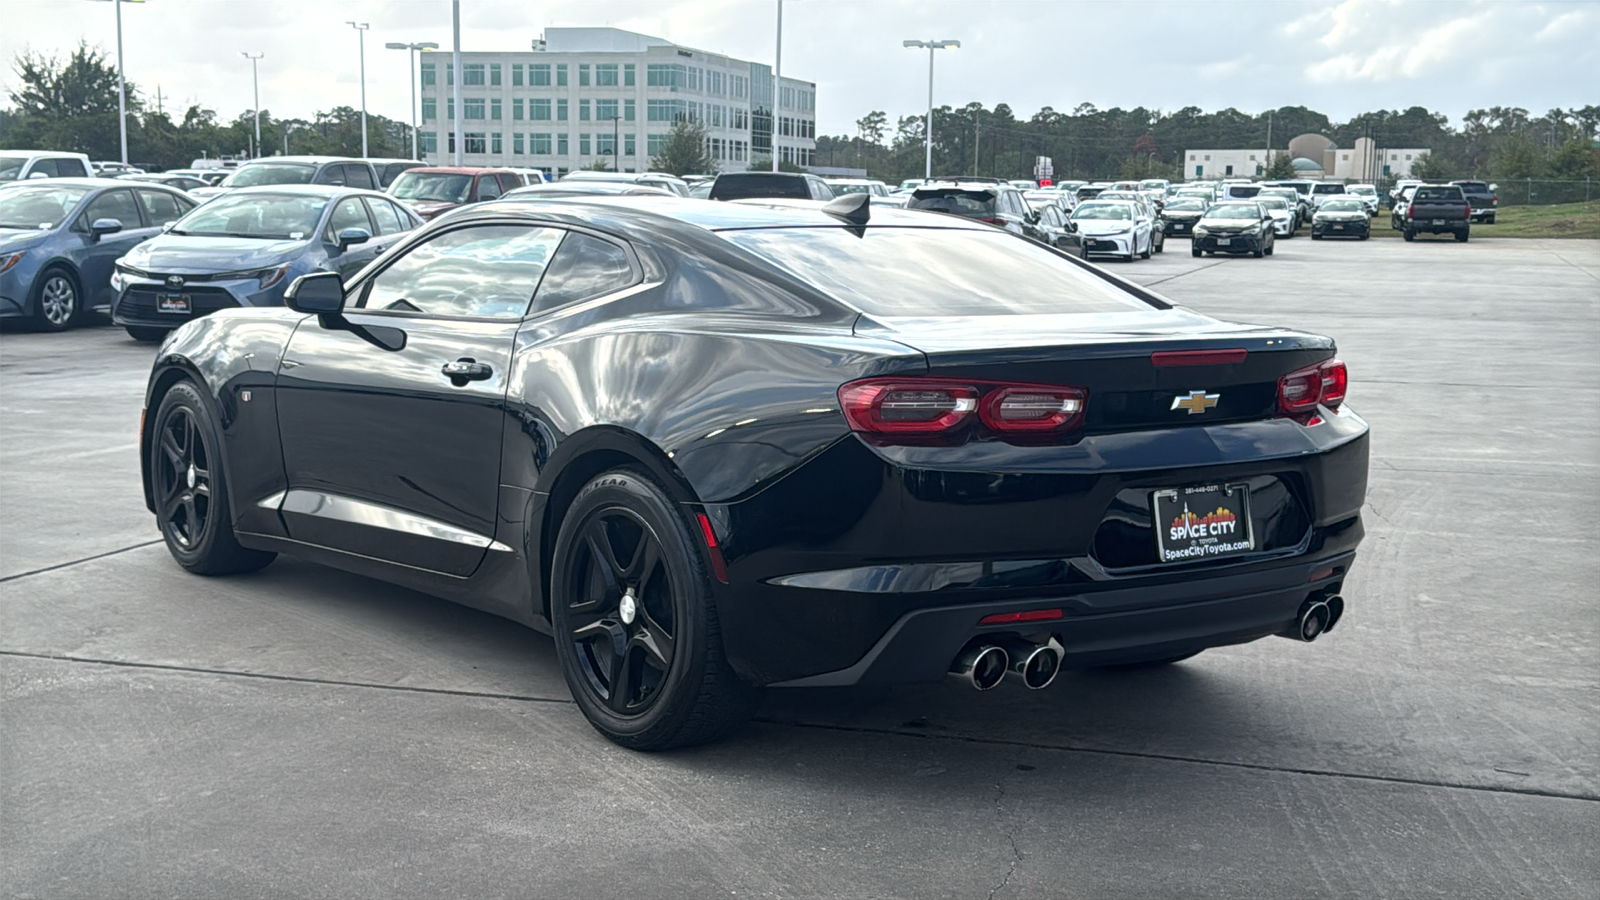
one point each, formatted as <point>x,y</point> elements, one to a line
<point>991,221</point>
<point>1411,210</point>
<point>1300,392</point>
<point>913,407</point>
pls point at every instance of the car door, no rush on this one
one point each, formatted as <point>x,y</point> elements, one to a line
<point>349,259</point>
<point>391,223</point>
<point>96,257</point>
<point>394,454</point>
<point>487,188</point>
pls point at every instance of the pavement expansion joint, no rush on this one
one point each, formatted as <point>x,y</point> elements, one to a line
<point>71,563</point>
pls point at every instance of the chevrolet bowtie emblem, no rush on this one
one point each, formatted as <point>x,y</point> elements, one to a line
<point>1196,402</point>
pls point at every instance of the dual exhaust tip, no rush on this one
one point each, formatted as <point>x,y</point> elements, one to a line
<point>984,666</point>
<point>1316,618</point>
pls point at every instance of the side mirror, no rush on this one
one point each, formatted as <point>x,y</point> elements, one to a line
<point>102,227</point>
<point>321,293</point>
<point>351,236</point>
<point>38,175</point>
<point>1494,187</point>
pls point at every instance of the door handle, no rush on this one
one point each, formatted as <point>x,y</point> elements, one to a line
<point>466,369</point>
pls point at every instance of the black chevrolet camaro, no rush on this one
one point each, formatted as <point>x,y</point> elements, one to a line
<point>712,447</point>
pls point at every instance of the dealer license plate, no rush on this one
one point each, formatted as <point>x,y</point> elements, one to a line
<point>1438,221</point>
<point>172,303</point>
<point>1180,227</point>
<point>1338,228</point>
<point>1223,242</point>
<point>1206,521</point>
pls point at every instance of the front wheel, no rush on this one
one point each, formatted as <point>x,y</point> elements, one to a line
<point>635,623</point>
<point>190,490</point>
<point>55,300</point>
<point>1194,252</point>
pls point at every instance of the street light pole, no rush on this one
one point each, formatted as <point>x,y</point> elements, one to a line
<point>412,56</point>
<point>927,131</point>
<point>777,88</point>
<point>255,80</point>
<point>455,72</point>
<point>122,88</point>
<point>361,30</point>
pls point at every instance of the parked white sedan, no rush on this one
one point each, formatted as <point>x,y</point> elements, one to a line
<point>1115,227</point>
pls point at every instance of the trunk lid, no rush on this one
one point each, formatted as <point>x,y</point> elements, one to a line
<point>1110,355</point>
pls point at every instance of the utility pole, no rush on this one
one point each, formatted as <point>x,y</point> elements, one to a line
<point>1269,140</point>
<point>159,110</point>
<point>777,88</point>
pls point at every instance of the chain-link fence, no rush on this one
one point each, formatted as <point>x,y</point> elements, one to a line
<point>1545,192</point>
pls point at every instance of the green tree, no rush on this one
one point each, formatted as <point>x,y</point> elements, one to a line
<point>1282,166</point>
<point>684,152</point>
<point>68,104</point>
<point>873,126</point>
<point>1577,158</point>
<point>1516,156</point>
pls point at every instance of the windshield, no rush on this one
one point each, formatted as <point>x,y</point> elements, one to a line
<point>1273,202</point>
<point>1367,189</point>
<point>1186,204</point>
<point>270,173</point>
<point>1327,189</point>
<point>10,167</point>
<point>416,185</point>
<point>1102,211</point>
<point>935,271</point>
<point>38,207</point>
<point>975,204</point>
<point>276,217</point>
<point>1344,206</point>
<point>1234,211</point>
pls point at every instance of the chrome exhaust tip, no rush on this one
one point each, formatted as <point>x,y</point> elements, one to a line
<point>1313,621</point>
<point>1335,611</point>
<point>1035,665</point>
<point>983,667</point>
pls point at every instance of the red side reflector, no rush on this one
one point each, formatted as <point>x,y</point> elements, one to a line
<point>719,568</point>
<point>1032,615</point>
<point>1198,357</point>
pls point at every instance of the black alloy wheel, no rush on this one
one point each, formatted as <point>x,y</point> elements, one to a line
<point>190,496</point>
<point>635,623</point>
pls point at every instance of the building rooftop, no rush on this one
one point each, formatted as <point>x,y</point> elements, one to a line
<point>599,40</point>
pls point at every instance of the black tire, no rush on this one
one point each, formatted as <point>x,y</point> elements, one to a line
<point>1149,246</point>
<point>1272,244</point>
<point>1489,219</point>
<point>147,333</point>
<point>1160,245</point>
<point>677,688</point>
<point>57,300</point>
<point>1409,235</point>
<point>190,489</point>
<point>1195,252</point>
<point>1259,251</point>
<point>1315,236</point>
<point>1462,235</point>
<point>1365,235</point>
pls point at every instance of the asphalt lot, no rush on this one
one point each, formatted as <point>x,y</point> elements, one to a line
<point>309,733</point>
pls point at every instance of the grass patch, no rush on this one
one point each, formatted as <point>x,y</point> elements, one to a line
<point>1562,220</point>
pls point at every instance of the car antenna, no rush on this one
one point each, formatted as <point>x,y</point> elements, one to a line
<point>853,208</point>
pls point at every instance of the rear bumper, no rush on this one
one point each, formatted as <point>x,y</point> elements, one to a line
<point>1428,225</point>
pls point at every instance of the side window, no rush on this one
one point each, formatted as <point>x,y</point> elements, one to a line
<point>384,215</point>
<point>488,187</point>
<point>160,207</point>
<point>71,168</point>
<point>117,205</point>
<point>487,270</point>
<point>509,182</point>
<point>358,175</point>
<point>331,175</point>
<point>585,267</point>
<point>46,167</point>
<point>348,214</point>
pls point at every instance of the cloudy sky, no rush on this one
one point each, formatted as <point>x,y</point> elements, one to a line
<point>1338,56</point>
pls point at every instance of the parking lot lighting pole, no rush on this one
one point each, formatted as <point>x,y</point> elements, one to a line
<point>927,131</point>
<point>122,88</point>
<point>255,81</point>
<point>777,88</point>
<point>455,73</point>
<point>361,29</point>
<point>412,56</point>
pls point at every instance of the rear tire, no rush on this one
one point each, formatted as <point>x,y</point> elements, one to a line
<point>1462,235</point>
<point>191,489</point>
<point>1194,252</point>
<point>147,333</point>
<point>1489,219</point>
<point>1409,235</point>
<point>670,685</point>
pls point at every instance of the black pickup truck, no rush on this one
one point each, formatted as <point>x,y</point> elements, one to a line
<point>1483,198</point>
<point>1435,209</point>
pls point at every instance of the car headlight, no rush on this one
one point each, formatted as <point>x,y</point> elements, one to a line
<point>6,262</point>
<point>265,277</point>
<point>1253,229</point>
<point>1201,231</point>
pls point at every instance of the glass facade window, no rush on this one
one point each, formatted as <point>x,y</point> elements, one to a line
<point>605,145</point>
<point>561,144</point>
<point>664,75</point>
<point>472,107</point>
<point>474,142</point>
<point>629,146</point>
<point>561,110</point>
<point>627,110</point>
<point>429,74</point>
<point>472,74</point>
<point>450,108</point>
<point>583,74</point>
<point>627,75</point>
<point>664,110</point>
<point>538,74</point>
<point>429,141</point>
<point>561,74</point>
<point>430,108</point>
<point>494,74</point>
<point>539,143</point>
<point>605,75</point>
<point>539,109</point>
<point>495,145</point>
<point>494,109</point>
<point>605,110</point>
<point>655,143</point>
<point>516,144</point>
<point>583,145</point>
<point>516,75</point>
<point>516,109</point>
<point>583,110</point>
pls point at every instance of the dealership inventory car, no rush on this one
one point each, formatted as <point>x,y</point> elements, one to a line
<point>781,185</point>
<point>1368,195</point>
<point>170,179</point>
<point>716,446</point>
<point>1113,227</point>
<point>433,191</point>
<point>1283,215</point>
<point>1341,217</point>
<point>663,180</point>
<point>1182,213</point>
<point>60,236</point>
<point>330,170</point>
<point>1234,226</point>
<point>244,248</point>
<point>22,165</point>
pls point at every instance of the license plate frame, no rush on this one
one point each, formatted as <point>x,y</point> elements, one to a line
<point>1223,242</point>
<point>174,304</point>
<point>1219,533</point>
<point>1438,221</point>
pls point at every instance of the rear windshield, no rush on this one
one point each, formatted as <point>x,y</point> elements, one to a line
<point>935,271</point>
<point>1327,189</point>
<point>1243,190</point>
<point>1437,193</point>
<point>973,204</point>
<point>1477,187</point>
<point>270,173</point>
<point>741,186</point>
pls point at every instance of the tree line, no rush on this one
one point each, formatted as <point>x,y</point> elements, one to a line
<point>1088,142</point>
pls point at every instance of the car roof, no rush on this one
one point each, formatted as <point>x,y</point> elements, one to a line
<point>457,170</point>
<point>644,217</point>
<point>14,152</point>
<point>301,160</point>
<point>79,182</point>
<point>313,190</point>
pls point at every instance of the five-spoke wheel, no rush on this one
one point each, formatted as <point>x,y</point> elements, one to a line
<point>182,478</point>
